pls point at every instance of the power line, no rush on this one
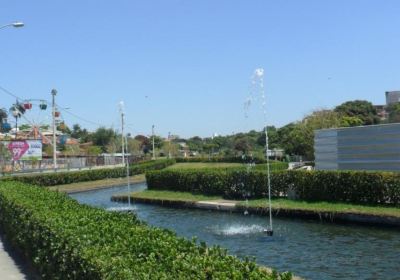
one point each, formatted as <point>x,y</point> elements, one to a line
<point>47,102</point>
<point>78,117</point>
<point>9,93</point>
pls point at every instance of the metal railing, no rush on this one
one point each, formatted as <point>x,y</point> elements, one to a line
<point>9,167</point>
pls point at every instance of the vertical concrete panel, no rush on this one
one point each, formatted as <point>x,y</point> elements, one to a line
<point>375,147</point>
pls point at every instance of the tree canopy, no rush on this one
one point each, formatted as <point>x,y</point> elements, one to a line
<point>362,109</point>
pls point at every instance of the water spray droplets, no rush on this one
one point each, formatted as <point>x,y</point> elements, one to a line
<point>256,92</point>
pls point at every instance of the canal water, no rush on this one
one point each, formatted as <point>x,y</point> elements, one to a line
<point>309,249</point>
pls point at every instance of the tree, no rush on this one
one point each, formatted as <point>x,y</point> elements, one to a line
<point>103,137</point>
<point>114,146</point>
<point>144,143</point>
<point>346,121</point>
<point>273,138</point>
<point>3,115</point>
<point>359,108</point>
<point>24,126</point>
<point>158,142</point>
<point>134,146</point>
<point>209,148</point>
<point>94,150</point>
<point>170,148</point>
<point>394,112</point>
<point>195,143</point>
<point>63,128</point>
<point>72,150</point>
<point>242,145</point>
<point>79,133</point>
<point>298,138</point>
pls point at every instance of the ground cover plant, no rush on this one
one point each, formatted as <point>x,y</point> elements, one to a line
<point>323,206</point>
<point>173,196</point>
<point>277,203</point>
<point>357,187</point>
<point>66,240</point>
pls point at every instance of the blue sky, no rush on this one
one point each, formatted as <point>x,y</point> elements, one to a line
<point>185,66</point>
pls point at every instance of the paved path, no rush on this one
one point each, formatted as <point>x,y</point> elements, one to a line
<point>9,269</point>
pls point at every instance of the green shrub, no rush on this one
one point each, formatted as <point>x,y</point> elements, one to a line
<point>256,160</point>
<point>60,178</point>
<point>334,186</point>
<point>66,240</point>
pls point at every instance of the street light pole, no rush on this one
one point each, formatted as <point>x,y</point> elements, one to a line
<point>152,132</point>
<point>169,144</point>
<point>14,24</point>
<point>53,94</point>
<point>121,109</point>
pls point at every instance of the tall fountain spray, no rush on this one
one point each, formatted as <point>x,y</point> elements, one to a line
<point>257,92</point>
<point>125,148</point>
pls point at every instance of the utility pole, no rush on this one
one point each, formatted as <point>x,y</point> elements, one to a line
<point>54,93</point>
<point>152,132</point>
<point>16,120</point>
<point>169,144</point>
<point>121,109</point>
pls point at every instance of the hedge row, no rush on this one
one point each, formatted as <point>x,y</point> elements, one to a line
<point>60,178</point>
<point>274,166</point>
<point>66,240</point>
<point>334,186</point>
<point>224,159</point>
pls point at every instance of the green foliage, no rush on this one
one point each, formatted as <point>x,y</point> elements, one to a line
<point>158,142</point>
<point>61,178</point>
<point>362,109</point>
<point>394,112</point>
<point>233,159</point>
<point>343,186</point>
<point>243,145</point>
<point>347,121</point>
<point>94,150</point>
<point>79,133</point>
<point>300,136</point>
<point>66,240</point>
<point>102,137</point>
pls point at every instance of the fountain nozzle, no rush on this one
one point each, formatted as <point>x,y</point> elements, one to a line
<point>269,232</point>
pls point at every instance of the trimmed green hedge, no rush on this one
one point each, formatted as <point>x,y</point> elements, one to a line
<point>60,178</point>
<point>66,240</point>
<point>224,159</point>
<point>335,186</point>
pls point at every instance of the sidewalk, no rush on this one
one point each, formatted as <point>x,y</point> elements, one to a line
<point>43,171</point>
<point>9,267</point>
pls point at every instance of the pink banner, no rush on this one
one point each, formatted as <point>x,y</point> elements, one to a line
<point>18,149</point>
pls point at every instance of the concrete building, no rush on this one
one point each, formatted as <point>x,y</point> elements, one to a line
<point>392,97</point>
<point>374,147</point>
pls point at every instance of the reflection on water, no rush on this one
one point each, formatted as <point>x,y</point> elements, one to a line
<point>310,249</point>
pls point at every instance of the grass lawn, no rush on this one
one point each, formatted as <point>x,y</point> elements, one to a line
<point>325,207</point>
<point>202,165</point>
<point>171,195</point>
<point>92,185</point>
<point>277,203</point>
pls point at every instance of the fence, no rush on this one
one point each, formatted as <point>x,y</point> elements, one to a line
<point>63,163</point>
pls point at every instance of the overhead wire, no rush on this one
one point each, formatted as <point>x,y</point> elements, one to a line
<point>48,103</point>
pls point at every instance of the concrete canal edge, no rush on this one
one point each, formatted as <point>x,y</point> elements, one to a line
<point>230,206</point>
